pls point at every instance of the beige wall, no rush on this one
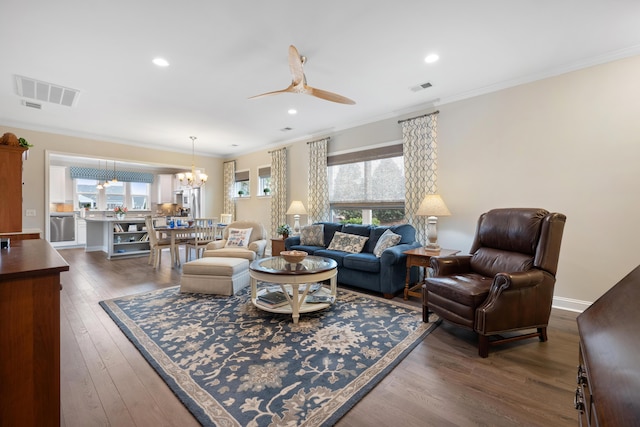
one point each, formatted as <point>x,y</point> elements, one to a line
<point>569,144</point>
<point>34,169</point>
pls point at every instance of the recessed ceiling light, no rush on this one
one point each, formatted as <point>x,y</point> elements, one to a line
<point>161,62</point>
<point>292,111</point>
<point>431,58</point>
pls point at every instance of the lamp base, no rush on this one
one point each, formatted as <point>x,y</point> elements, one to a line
<point>296,225</point>
<point>432,247</point>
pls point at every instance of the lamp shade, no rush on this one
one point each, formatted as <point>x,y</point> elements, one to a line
<point>433,205</point>
<point>296,208</point>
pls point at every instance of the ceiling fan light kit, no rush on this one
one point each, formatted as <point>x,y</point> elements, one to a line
<point>299,82</point>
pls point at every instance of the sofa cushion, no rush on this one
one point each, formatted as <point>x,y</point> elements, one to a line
<point>312,235</point>
<point>311,250</point>
<point>362,262</point>
<point>238,237</point>
<point>329,229</point>
<point>346,242</point>
<point>357,229</point>
<point>387,240</point>
<point>337,256</point>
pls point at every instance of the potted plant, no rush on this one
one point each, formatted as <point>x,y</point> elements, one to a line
<point>266,191</point>
<point>240,193</point>
<point>284,230</point>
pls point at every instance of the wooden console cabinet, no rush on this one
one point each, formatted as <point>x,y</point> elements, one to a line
<point>608,371</point>
<point>11,188</point>
<point>30,333</point>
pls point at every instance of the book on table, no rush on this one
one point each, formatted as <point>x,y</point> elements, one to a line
<point>273,299</point>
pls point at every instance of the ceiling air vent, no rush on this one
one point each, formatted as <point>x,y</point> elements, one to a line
<point>32,104</point>
<point>46,92</point>
<point>421,87</point>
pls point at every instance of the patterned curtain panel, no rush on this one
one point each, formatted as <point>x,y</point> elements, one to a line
<point>278,189</point>
<point>229,178</point>
<point>318,205</point>
<point>420,148</point>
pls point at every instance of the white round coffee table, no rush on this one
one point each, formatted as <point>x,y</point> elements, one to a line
<point>289,277</point>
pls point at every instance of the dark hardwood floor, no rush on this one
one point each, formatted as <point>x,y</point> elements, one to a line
<point>442,382</point>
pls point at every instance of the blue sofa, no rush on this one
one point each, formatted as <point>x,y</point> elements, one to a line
<point>385,275</point>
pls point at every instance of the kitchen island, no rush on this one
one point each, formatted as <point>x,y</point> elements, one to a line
<point>117,237</point>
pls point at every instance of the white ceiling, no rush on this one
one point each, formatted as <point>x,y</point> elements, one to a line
<point>223,52</point>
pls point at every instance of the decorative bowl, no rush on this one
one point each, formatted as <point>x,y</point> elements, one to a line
<point>293,257</point>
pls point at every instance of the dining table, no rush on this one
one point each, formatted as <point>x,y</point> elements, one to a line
<point>177,234</point>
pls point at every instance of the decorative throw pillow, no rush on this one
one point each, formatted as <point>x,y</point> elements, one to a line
<point>347,242</point>
<point>387,240</point>
<point>238,237</point>
<point>312,235</point>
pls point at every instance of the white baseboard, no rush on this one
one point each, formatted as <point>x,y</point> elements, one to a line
<point>570,304</point>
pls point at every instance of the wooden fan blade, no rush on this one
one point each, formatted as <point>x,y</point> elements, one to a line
<point>295,65</point>
<point>275,92</point>
<point>329,96</point>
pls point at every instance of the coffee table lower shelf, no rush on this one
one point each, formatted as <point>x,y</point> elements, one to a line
<point>305,307</point>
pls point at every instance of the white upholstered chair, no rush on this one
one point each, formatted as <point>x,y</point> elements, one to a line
<point>254,249</point>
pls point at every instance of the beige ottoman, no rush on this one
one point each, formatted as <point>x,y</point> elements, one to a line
<point>216,275</point>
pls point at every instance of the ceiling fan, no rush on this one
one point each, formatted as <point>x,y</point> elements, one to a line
<point>299,81</point>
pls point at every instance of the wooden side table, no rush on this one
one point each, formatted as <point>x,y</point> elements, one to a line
<point>420,257</point>
<point>277,246</point>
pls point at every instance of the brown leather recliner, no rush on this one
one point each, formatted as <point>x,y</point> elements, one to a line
<point>506,283</point>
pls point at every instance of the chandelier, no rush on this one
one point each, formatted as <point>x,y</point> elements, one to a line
<point>195,178</point>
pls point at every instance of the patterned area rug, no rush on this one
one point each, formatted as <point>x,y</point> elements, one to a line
<point>233,364</point>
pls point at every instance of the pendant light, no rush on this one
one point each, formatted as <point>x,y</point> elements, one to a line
<point>195,178</point>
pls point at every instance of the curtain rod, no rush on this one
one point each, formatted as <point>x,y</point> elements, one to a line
<point>279,149</point>
<point>417,117</point>
<point>321,139</point>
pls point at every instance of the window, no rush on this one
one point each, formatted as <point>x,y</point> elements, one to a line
<point>242,184</point>
<point>139,195</point>
<point>115,195</point>
<point>264,180</point>
<point>87,193</point>
<point>367,187</point>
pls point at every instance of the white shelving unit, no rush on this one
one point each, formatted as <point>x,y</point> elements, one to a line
<point>128,237</point>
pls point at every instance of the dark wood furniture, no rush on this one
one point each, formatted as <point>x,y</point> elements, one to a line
<point>502,290</point>
<point>23,235</point>
<point>277,246</point>
<point>30,333</point>
<point>609,370</point>
<point>11,188</point>
<point>420,257</point>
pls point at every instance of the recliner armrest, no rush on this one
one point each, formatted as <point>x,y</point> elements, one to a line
<point>518,280</point>
<point>447,266</point>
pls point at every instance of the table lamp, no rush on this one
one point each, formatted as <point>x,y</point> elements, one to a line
<point>432,206</point>
<point>296,209</point>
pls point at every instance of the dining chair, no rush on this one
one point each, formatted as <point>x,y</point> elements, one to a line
<point>205,230</point>
<point>156,245</point>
